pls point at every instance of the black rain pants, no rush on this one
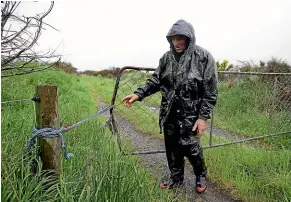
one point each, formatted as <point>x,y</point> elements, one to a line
<point>177,149</point>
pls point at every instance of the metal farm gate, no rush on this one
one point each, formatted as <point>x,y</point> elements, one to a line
<point>251,106</point>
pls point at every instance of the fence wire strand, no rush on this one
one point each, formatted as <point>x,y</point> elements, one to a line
<point>19,100</point>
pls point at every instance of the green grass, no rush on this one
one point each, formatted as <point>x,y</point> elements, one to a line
<point>248,173</point>
<point>97,172</point>
<point>104,89</point>
<point>244,109</point>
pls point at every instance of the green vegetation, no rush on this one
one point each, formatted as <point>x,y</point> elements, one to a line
<point>253,105</point>
<point>224,66</point>
<point>104,88</point>
<point>97,172</point>
<point>250,173</point>
<point>245,109</point>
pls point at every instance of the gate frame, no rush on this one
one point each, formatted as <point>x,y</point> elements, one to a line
<point>114,130</point>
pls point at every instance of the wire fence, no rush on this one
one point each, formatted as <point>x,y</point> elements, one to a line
<point>13,101</point>
<point>51,132</point>
<point>251,106</point>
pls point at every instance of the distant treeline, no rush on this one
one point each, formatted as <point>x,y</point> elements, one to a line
<point>66,67</point>
<point>112,72</point>
<point>273,65</point>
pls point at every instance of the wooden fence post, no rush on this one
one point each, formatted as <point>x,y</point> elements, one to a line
<point>47,116</point>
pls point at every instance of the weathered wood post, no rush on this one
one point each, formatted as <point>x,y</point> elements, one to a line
<point>47,116</point>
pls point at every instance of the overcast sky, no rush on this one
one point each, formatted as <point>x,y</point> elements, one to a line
<point>100,34</point>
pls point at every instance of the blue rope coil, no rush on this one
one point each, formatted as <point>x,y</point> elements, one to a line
<point>48,133</point>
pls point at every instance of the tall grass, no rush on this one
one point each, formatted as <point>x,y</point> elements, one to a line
<point>97,172</point>
<point>245,109</point>
<point>250,173</point>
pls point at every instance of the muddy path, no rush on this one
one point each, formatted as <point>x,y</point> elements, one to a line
<point>156,164</point>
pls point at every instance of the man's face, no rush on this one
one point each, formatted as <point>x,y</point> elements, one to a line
<point>179,42</point>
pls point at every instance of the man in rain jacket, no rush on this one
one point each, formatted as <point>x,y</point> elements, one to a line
<point>187,79</point>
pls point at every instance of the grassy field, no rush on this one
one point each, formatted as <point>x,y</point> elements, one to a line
<point>251,173</point>
<point>97,172</point>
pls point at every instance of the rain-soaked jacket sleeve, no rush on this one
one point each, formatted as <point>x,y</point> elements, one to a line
<point>152,84</point>
<point>209,92</point>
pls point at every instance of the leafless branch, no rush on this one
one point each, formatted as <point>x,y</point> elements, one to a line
<point>19,67</point>
<point>32,70</point>
<point>19,35</point>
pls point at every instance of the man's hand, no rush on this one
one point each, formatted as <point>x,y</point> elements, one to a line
<point>130,99</point>
<point>200,125</point>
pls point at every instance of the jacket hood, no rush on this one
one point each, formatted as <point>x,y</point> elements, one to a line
<point>182,27</point>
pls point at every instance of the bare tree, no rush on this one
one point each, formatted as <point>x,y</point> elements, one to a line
<point>19,35</point>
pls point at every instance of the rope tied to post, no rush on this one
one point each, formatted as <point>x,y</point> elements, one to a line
<point>51,132</point>
<point>48,133</point>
